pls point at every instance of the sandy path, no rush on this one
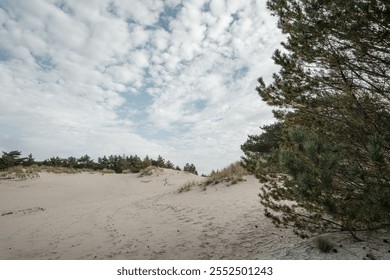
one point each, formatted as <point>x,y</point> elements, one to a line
<point>94,216</point>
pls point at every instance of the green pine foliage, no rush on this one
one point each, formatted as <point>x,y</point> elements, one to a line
<point>261,151</point>
<point>329,167</point>
<point>10,159</point>
<point>190,168</point>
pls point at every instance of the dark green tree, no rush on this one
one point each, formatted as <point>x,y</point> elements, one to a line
<point>261,151</point>
<point>85,162</point>
<point>190,168</point>
<point>160,162</point>
<point>135,163</point>
<point>29,160</point>
<point>54,161</point>
<point>333,97</point>
<point>10,159</point>
<point>146,162</point>
<point>169,165</point>
<point>118,163</point>
<point>103,163</point>
<point>71,162</point>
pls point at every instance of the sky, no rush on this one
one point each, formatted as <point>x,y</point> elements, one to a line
<point>175,78</point>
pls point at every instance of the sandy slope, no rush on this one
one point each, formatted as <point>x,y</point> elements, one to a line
<point>111,216</point>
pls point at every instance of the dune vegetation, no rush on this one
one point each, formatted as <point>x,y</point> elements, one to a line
<point>12,164</point>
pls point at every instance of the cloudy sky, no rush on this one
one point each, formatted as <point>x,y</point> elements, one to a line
<point>101,77</point>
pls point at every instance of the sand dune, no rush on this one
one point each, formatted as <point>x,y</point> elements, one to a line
<point>124,216</point>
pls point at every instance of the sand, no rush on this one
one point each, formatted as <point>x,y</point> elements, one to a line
<point>124,216</point>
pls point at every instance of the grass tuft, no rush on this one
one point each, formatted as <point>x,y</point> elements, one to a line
<point>148,171</point>
<point>31,172</point>
<point>106,171</point>
<point>232,174</point>
<point>18,173</point>
<point>187,187</point>
<point>323,244</point>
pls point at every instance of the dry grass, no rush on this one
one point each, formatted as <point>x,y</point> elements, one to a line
<point>30,172</point>
<point>106,171</point>
<point>60,170</point>
<point>232,174</point>
<point>187,187</point>
<point>18,173</point>
<point>148,171</point>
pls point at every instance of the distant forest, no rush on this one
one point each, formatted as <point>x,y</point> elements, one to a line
<point>117,163</point>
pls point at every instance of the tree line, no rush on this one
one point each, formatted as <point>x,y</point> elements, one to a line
<point>325,163</point>
<point>117,163</point>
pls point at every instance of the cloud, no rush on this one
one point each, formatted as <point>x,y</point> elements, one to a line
<point>144,12</point>
<point>175,78</point>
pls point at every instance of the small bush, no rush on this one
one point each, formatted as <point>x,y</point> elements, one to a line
<point>323,244</point>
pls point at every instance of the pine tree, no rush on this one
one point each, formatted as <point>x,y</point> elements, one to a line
<point>136,163</point>
<point>261,151</point>
<point>54,161</point>
<point>169,165</point>
<point>333,99</point>
<point>10,159</point>
<point>190,168</point>
<point>146,162</point>
<point>103,163</point>
<point>160,162</point>
<point>71,162</point>
<point>85,162</point>
<point>29,160</point>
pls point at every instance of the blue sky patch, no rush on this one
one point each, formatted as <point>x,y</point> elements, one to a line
<point>44,62</point>
<point>4,55</point>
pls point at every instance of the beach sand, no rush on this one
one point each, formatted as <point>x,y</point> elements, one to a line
<point>124,216</point>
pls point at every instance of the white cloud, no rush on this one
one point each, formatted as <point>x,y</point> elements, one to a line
<point>145,12</point>
<point>103,77</point>
<point>161,39</point>
<point>138,36</point>
<point>217,7</point>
